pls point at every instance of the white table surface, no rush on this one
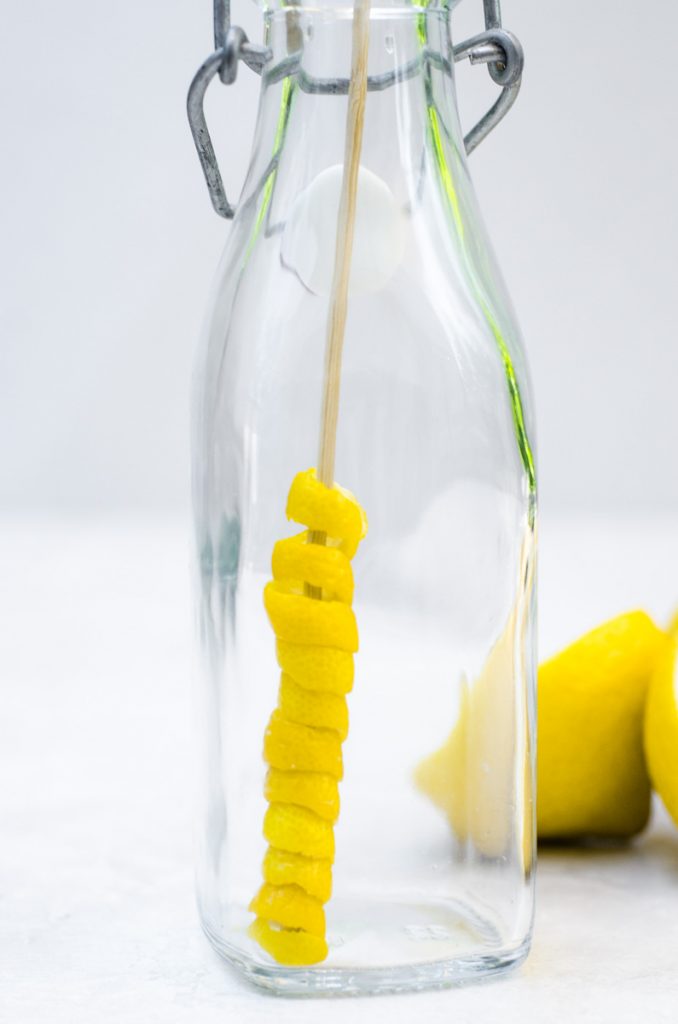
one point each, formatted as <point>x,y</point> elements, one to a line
<point>97,920</point>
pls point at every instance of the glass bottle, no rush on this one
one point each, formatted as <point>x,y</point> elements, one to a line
<point>433,848</point>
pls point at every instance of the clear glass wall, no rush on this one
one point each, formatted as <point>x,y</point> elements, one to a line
<point>432,872</point>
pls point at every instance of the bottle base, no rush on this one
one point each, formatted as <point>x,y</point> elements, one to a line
<point>355,979</point>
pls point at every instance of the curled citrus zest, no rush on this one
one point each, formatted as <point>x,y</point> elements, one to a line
<point>281,867</point>
<point>309,605</point>
<point>294,948</point>
<point>321,566</point>
<point>299,619</point>
<point>313,707</point>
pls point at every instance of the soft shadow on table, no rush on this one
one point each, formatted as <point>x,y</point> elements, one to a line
<point>657,845</point>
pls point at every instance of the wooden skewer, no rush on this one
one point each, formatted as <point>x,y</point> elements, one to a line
<point>336,322</point>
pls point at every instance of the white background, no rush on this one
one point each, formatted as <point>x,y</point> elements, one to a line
<point>109,245</point>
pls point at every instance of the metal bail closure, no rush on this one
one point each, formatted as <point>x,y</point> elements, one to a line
<point>503,54</point>
<point>496,47</point>
<point>224,61</point>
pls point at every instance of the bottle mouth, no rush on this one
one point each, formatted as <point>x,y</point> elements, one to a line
<point>378,8</point>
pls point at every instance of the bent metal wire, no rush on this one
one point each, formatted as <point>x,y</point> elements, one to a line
<point>496,47</point>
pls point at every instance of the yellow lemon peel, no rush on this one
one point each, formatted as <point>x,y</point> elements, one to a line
<point>330,510</point>
<point>302,748</point>
<point>292,948</point>
<point>317,668</point>
<point>281,867</point>
<point>298,619</point>
<point>319,793</point>
<point>309,606</point>
<point>309,707</point>
<point>321,566</point>
<point>291,907</point>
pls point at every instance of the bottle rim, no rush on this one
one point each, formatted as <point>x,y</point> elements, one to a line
<point>378,8</point>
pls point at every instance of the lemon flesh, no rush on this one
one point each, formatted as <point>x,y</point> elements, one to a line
<point>661,728</point>
<point>591,774</point>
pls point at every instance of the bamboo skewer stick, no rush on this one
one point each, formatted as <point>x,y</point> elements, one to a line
<point>336,322</point>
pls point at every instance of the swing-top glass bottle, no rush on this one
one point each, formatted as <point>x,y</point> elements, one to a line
<point>432,856</point>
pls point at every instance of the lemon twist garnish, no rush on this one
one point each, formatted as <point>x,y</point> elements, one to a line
<point>316,639</point>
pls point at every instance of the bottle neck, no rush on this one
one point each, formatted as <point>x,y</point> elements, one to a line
<point>421,211</point>
<point>302,114</point>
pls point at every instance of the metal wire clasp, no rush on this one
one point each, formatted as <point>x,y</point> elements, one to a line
<point>231,46</point>
<point>503,54</point>
<point>496,47</point>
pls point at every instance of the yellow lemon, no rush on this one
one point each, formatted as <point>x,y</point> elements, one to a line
<point>661,725</point>
<point>591,774</point>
